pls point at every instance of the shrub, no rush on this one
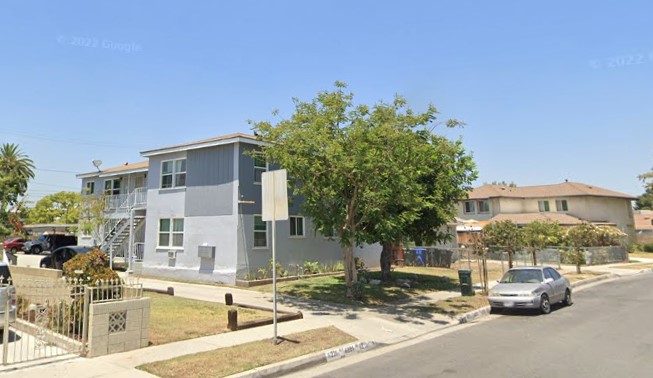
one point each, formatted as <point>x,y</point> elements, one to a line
<point>89,267</point>
<point>647,247</point>
<point>311,267</point>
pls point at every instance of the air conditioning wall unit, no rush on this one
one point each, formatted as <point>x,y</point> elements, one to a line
<point>206,251</point>
<point>172,255</point>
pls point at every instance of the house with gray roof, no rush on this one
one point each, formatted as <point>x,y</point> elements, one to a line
<point>193,211</point>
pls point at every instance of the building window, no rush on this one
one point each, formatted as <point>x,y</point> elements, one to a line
<point>90,188</point>
<point>484,206</point>
<point>260,166</point>
<point>171,232</point>
<point>469,207</point>
<point>296,226</point>
<point>173,173</point>
<point>260,232</point>
<point>543,206</point>
<point>111,187</point>
<point>561,205</point>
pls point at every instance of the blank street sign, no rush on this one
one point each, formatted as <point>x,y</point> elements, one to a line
<point>275,195</point>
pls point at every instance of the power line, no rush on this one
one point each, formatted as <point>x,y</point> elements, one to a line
<point>71,141</point>
<point>56,170</point>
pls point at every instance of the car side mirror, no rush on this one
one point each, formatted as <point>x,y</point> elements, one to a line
<point>548,280</point>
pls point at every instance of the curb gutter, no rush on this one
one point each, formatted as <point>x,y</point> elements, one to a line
<point>307,361</point>
<point>318,358</point>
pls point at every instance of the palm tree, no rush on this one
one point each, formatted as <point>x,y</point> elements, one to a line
<point>14,163</point>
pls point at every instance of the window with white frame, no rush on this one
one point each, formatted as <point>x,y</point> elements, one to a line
<point>260,166</point>
<point>483,206</point>
<point>469,207</point>
<point>296,226</point>
<point>173,173</point>
<point>171,232</point>
<point>561,205</point>
<point>260,232</point>
<point>111,187</point>
<point>543,206</point>
<point>90,187</point>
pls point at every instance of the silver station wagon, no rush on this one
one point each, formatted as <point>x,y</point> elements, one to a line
<point>530,287</point>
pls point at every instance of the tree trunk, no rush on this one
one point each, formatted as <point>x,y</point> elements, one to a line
<point>509,259</point>
<point>350,269</point>
<point>534,258</point>
<point>386,252</point>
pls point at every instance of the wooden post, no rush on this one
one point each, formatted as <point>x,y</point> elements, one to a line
<point>228,299</point>
<point>171,290</point>
<point>232,320</point>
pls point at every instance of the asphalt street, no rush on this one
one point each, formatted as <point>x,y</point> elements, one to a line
<point>606,333</point>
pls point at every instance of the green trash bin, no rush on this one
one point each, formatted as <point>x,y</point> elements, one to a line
<point>465,277</point>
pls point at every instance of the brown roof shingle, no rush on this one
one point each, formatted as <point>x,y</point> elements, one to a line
<point>526,218</point>
<point>565,189</point>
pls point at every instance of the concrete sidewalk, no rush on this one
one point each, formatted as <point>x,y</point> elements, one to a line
<point>387,325</point>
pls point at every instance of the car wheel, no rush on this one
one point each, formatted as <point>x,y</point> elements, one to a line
<point>14,249</point>
<point>545,304</point>
<point>495,310</point>
<point>568,301</point>
<point>36,250</point>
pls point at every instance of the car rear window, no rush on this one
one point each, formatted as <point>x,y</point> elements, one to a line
<point>5,274</point>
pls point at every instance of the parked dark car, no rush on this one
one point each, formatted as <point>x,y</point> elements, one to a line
<point>48,242</point>
<point>13,245</point>
<point>60,255</point>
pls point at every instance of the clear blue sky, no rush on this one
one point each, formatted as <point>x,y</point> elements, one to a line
<point>549,91</point>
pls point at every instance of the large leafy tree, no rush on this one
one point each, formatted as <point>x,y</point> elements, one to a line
<point>62,207</point>
<point>357,168</point>
<point>16,169</point>
<point>447,172</point>
<point>539,234</point>
<point>645,201</point>
<point>503,235</point>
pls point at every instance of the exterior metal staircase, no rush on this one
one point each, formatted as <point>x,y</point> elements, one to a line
<point>121,212</point>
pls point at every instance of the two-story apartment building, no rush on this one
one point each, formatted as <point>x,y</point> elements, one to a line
<point>568,203</point>
<point>199,214</point>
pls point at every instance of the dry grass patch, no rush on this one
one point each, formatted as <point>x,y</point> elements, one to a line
<point>644,255</point>
<point>637,266</point>
<point>452,306</point>
<point>175,318</point>
<point>573,276</point>
<point>227,361</point>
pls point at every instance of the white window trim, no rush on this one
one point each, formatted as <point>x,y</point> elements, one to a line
<point>171,233</point>
<point>562,210</point>
<point>303,235</point>
<point>267,167</point>
<point>87,187</point>
<point>104,189</point>
<point>543,209</point>
<point>267,234</point>
<point>174,173</point>
<point>478,204</point>
<point>465,207</point>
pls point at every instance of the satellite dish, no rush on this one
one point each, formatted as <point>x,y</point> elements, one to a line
<point>97,164</point>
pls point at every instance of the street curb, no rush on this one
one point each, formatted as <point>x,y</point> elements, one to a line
<point>592,280</point>
<point>308,361</point>
<point>318,358</point>
<point>473,315</point>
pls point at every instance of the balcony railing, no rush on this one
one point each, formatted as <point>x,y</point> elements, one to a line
<point>126,202</point>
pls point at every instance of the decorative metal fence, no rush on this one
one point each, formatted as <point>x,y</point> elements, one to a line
<point>44,319</point>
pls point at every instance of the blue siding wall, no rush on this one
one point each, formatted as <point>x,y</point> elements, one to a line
<point>209,181</point>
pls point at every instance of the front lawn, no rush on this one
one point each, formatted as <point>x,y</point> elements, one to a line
<point>227,361</point>
<point>175,318</point>
<point>421,279</point>
<point>450,307</point>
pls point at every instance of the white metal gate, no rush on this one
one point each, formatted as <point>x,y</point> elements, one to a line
<point>46,319</point>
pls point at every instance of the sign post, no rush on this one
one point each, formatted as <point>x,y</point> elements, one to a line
<point>275,207</point>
